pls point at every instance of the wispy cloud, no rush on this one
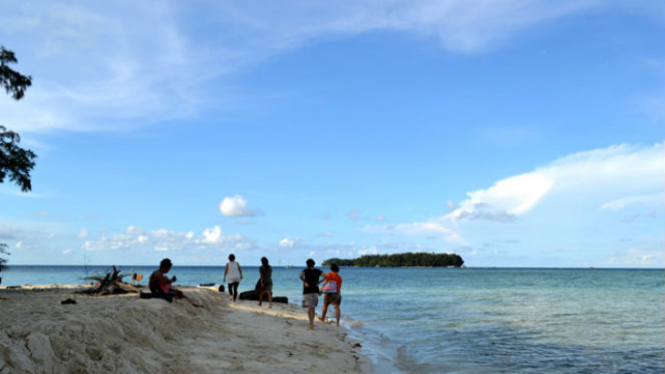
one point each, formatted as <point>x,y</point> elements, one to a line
<point>353,214</point>
<point>422,229</point>
<point>13,190</point>
<point>113,65</point>
<point>83,233</point>
<point>622,203</point>
<point>134,64</point>
<point>637,256</point>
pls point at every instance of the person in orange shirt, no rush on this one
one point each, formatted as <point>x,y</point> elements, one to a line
<point>332,288</point>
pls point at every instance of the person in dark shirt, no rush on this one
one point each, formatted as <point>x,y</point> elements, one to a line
<point>311,279</point>
<point>160,284</point>
<point>264,285</point>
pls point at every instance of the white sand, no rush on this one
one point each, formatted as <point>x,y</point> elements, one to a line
<point>125,334</point>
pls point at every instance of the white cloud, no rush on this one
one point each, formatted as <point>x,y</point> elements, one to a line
<point>212,235</point>
<point>135,238</point>
<point>145,63</point>
<point>368,251</point>
<point>380,218</point>
<point>130,69</point>
<point>505,200</point>
<point>83,233</point>
<point>289,242</point>
<point>13,191</point>
<point>636,256</point>
<point>216,237</point>
<point>460,25</point>
<point>19,245</point>
<point>325,216</point>
<point>66,251</point>
<point>620,204</point>
<point>417,229</point>
<point>236,206</point>
<point>614,171</point>
<point>353,214</point>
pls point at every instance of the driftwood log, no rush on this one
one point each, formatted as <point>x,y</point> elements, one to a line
<point>253,295</point>
<point>111,284</point>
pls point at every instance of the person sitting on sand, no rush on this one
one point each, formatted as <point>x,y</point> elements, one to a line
<point>160,284</point>
<point>310,292</point>
<point>332,288</point>
<point>234,272</point>
<point>265,281</point>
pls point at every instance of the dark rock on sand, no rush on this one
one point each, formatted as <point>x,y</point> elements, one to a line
<point>253,295</point>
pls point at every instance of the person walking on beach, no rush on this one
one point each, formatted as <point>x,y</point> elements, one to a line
<point>332,288</point>
<point>310,292</point>
<point>264,285</point>
<point>234,271</point>
<point>160,284</point>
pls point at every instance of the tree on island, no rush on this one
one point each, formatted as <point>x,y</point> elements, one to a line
<point>401,259</point>
<point>15,162</point>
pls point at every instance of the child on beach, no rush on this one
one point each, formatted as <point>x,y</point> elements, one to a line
<point>265,281</point>
<point>332,288</point>
<point>310,293</point>
<point>234,271</point>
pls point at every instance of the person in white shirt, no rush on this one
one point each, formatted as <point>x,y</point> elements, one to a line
<point>234,271</point>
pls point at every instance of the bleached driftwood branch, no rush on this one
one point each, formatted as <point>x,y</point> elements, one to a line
<point>111,284</point>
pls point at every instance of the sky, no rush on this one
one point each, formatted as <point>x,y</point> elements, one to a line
<point>514,133</point>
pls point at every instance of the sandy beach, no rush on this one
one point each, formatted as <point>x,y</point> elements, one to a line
<point>126,334</point>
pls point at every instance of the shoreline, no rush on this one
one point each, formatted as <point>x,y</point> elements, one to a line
<point>123,333</point>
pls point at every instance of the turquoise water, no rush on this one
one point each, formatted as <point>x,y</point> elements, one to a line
<point>474,320</point>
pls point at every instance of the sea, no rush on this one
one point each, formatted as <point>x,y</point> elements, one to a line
<point>469,320</point>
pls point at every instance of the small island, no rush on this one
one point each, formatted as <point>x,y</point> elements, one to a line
<point>419,259</point>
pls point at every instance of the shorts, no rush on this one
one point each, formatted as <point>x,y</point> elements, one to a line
<point>332,298</point>
<point>310,299</point>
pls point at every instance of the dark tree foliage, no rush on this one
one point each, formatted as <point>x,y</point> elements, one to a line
<point>15,162</point>
<point>3,250</point>
<point>14,82</point>
<point>401,259</point>
<point>339,262</point>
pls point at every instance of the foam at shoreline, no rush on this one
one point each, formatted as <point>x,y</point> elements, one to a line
<point>126,334</point>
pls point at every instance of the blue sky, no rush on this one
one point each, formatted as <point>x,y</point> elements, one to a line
<point>514,133</point>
